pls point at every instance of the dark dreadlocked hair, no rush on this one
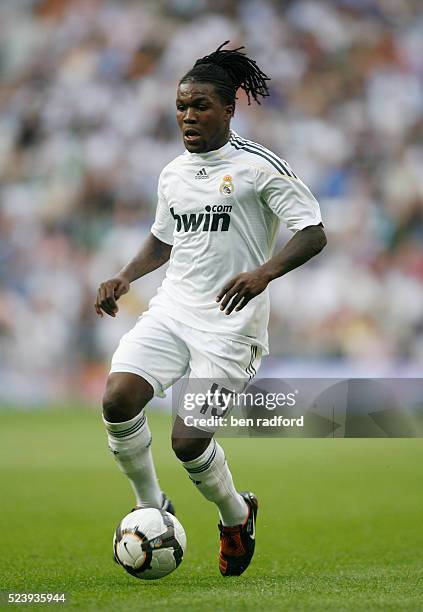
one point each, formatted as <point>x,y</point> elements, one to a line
<point>228,70</point>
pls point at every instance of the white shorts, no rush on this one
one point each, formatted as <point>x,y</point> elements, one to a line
<point>162,350</point>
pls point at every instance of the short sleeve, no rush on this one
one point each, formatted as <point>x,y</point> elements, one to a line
<point>289,198</point>
<point>164,223</point>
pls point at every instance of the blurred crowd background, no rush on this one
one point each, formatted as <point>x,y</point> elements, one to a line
<point>87,123</point>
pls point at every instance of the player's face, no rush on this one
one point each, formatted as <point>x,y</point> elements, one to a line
<point>202,117</point>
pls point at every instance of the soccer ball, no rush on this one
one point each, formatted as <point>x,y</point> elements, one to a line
<point>149,543</point>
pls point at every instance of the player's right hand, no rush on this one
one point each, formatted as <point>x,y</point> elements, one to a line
<point>108,293</point>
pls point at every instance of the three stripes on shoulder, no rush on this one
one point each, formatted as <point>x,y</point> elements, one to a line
<point>241,144</point>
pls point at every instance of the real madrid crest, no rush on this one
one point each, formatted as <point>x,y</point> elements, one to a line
<point>226,186</point>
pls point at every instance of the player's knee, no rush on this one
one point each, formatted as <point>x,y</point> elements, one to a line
<point>118,406</point>
<point>187,449</point>
<point>123,399</point>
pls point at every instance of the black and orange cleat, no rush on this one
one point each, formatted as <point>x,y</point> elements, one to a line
<point>237,543</point>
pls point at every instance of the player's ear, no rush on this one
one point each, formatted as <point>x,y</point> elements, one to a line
<point>229,111</point>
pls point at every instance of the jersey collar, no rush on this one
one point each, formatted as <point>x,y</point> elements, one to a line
<point>210,155</point>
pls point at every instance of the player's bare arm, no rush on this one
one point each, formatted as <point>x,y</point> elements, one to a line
<point>152,255</point>
<point>304,245</point>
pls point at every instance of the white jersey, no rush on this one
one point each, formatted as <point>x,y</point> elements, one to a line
<point>221,211</point>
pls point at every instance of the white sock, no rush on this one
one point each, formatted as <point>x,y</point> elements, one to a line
<point>130,443</point>
<point>211,475</point>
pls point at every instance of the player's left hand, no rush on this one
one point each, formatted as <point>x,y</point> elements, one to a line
<point>240,290</point>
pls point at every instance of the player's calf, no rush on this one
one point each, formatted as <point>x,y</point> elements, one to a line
<point>187,449</point>
<point>188,443</point>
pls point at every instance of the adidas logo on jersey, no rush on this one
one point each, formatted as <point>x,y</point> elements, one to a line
<point>202,174</point>
<point>218,221</point>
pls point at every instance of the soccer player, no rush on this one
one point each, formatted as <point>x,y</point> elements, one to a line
<point>220,204</point>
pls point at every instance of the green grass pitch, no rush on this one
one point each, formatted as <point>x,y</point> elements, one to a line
<point>340,521</point>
